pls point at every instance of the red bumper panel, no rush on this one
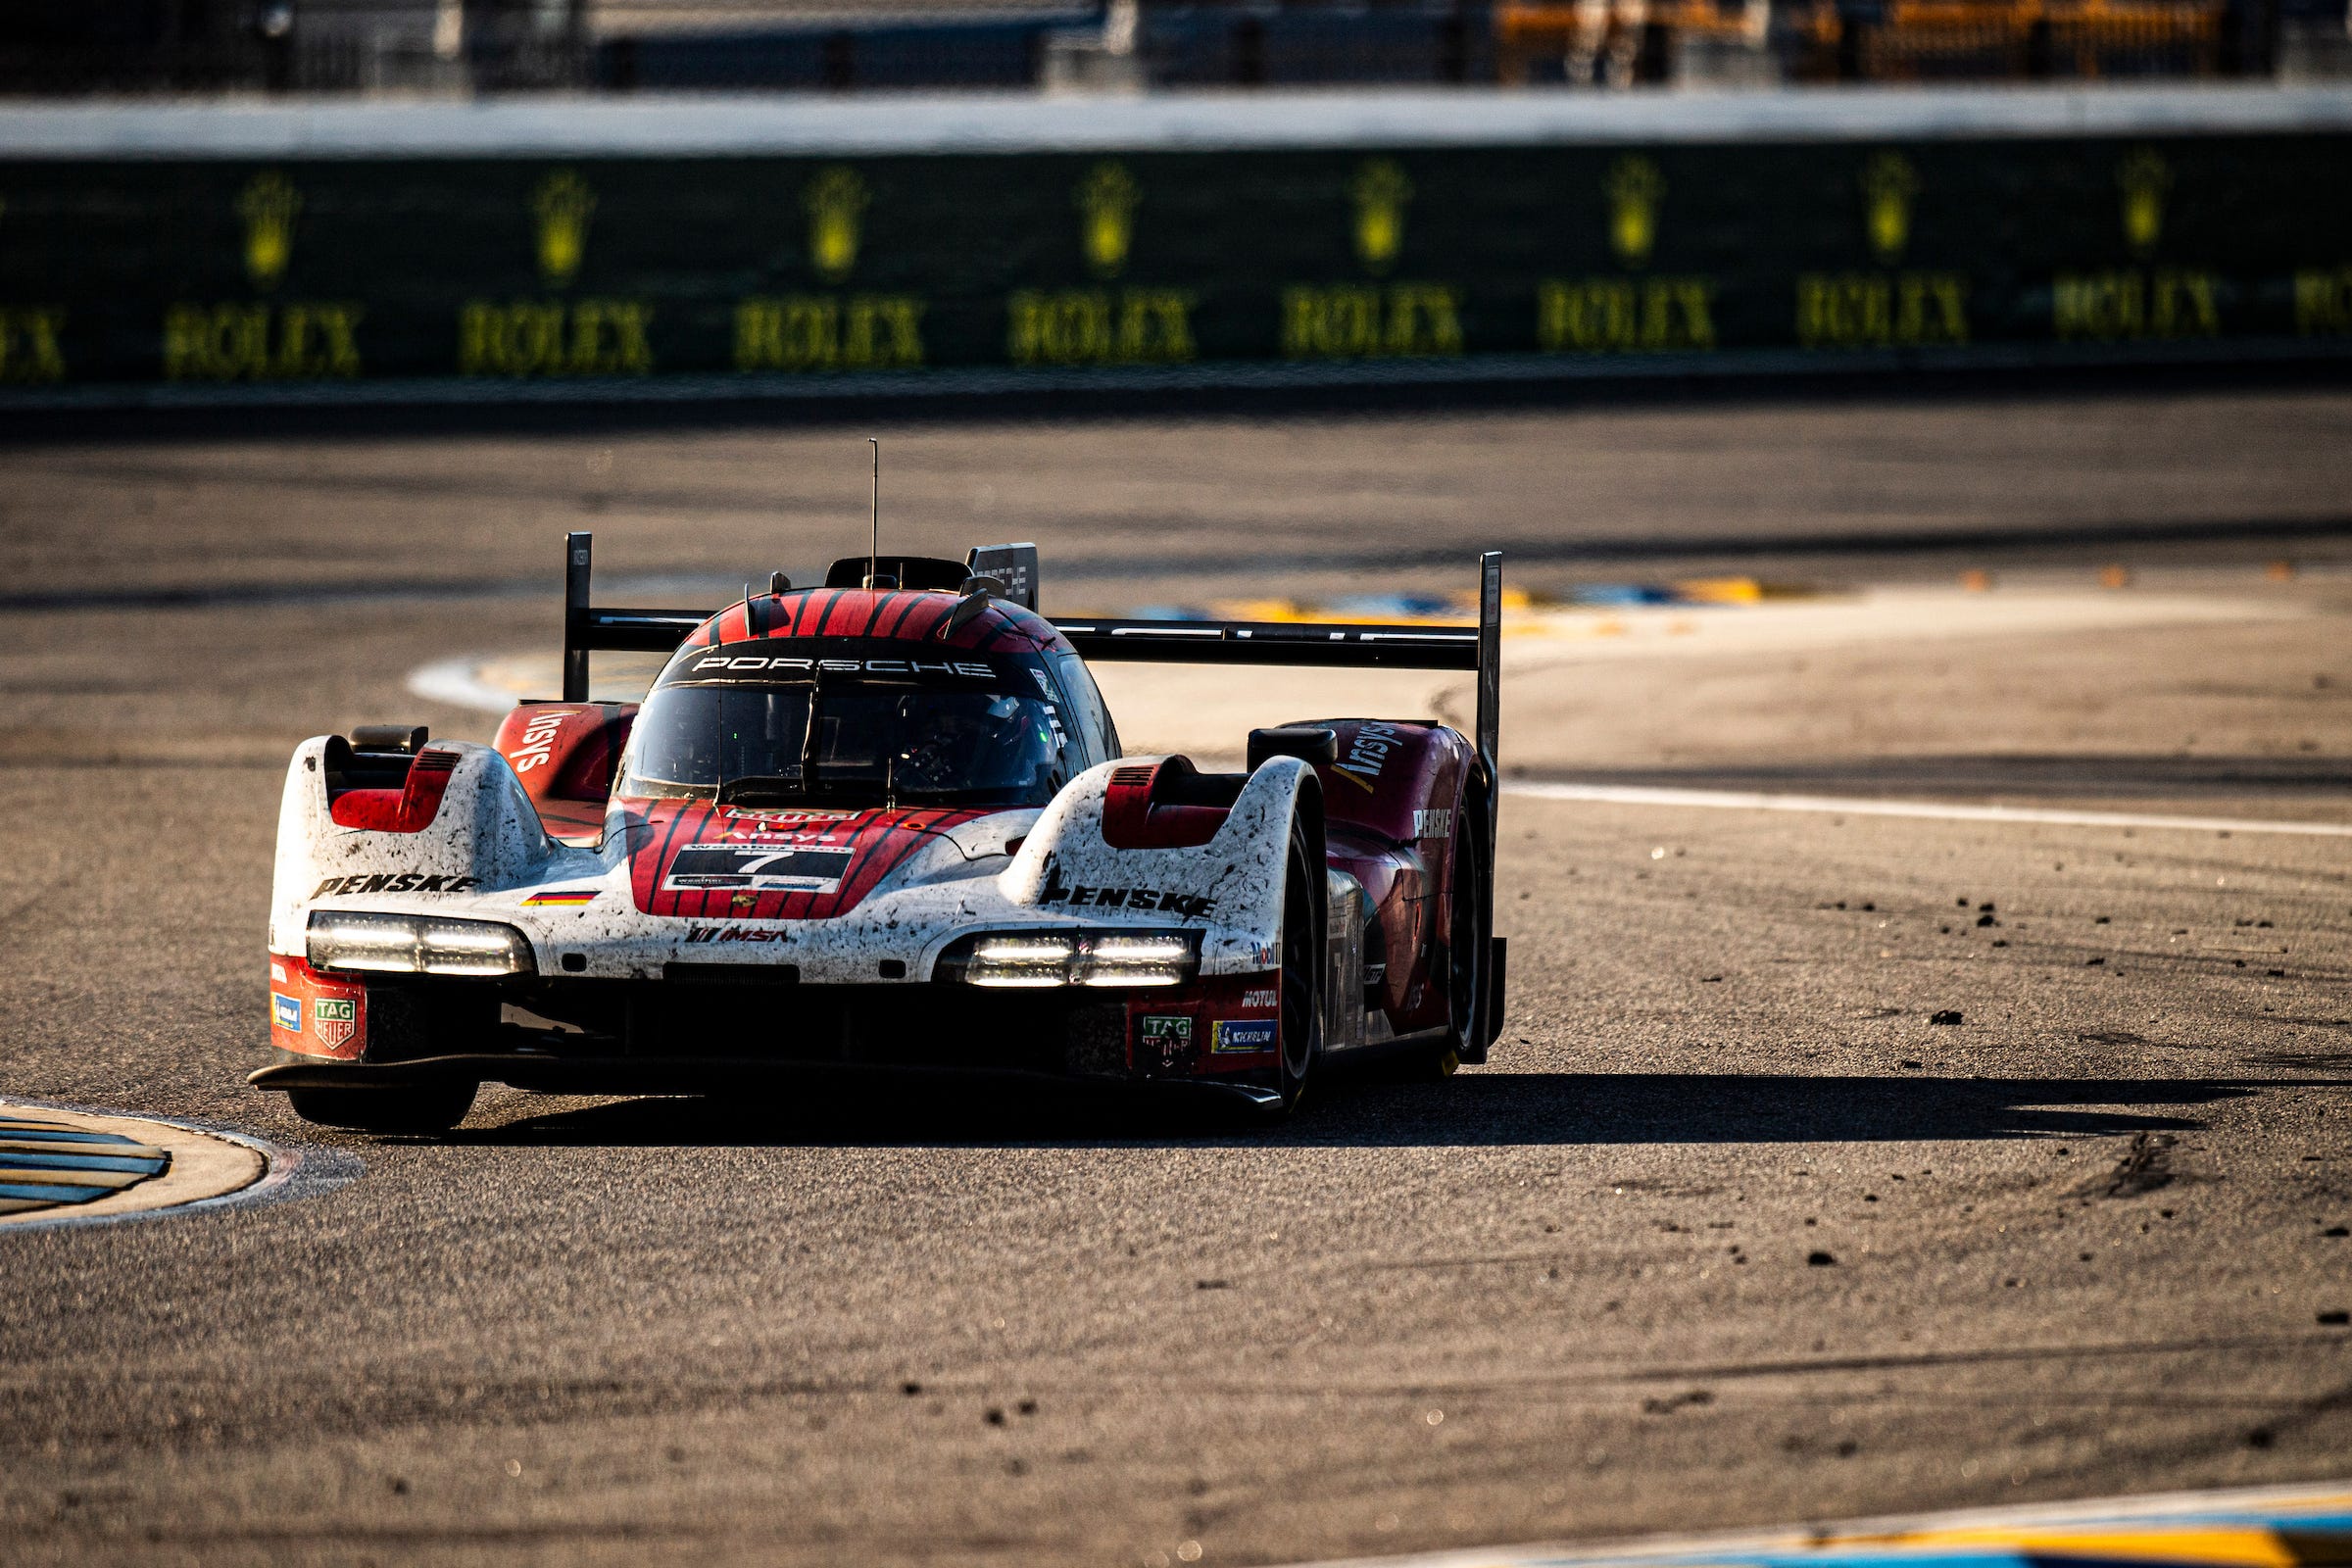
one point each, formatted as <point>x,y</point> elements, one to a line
<point>1223,1024</point>
<point>316,1014</point>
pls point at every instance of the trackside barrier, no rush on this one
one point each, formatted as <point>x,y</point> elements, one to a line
<point>356,252</point>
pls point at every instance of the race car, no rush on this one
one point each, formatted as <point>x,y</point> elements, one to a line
<point>886,822</point>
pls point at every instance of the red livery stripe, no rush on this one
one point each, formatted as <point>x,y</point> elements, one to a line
<point>880,841</point>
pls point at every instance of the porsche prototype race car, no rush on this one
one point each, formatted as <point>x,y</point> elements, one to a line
<point>884,821</point>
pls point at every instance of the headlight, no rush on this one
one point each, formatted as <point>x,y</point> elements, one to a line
<point>1020,961</point>
<point>1146,958</point>
<point>1074,958</point>
<point>416,944</point>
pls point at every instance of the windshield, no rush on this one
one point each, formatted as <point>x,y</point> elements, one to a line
<point>872,742</point>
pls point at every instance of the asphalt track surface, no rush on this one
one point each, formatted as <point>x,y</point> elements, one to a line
<point>1727,1235</point>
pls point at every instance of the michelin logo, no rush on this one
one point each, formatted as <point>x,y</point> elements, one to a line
<point>1240,1038</point>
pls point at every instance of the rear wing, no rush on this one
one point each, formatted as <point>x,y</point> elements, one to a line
<point>1323,646</point>
<point>1310,644</point>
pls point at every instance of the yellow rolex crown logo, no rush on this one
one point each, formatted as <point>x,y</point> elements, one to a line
<point>1635,190</point>
<point>1380,191</point>
<point>267,206</point>
<point>836,202</point>
<point>2145,181</point>
<point>563,205</point>
<point>1889,182</point>
<point>1107,200</point>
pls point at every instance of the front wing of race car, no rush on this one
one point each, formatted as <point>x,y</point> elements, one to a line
<point>1016,939</point>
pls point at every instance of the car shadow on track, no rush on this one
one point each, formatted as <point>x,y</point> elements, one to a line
<point>1364,1109</point>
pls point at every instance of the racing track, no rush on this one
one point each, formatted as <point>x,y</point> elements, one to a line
<point>2086,1241</point>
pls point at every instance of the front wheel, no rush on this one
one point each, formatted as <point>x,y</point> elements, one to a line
<point>433,1107</point>
<point>1302,962</point>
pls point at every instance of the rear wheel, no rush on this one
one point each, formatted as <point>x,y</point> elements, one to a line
<point>433,1107</point>
<point>1466,921</point>
<point>1302,962</point>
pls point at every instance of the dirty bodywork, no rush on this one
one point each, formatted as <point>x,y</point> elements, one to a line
<point>882,821</point>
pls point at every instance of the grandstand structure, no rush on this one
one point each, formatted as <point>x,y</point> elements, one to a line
<point>69,47</point>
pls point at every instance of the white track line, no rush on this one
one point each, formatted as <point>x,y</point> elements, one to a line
<point>1945,811</point>
<point>458,682</point>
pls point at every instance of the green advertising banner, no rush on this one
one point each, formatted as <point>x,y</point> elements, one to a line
<point>500,272</point>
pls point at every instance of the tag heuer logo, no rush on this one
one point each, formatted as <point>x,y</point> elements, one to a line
<point>334,1020</point>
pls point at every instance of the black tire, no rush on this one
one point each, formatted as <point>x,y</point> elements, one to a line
<point>1469,911</point>
<point>1300,1034</point>
<point>433,1107</point>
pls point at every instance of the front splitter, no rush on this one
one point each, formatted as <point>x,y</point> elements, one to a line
<point>549,1074</point>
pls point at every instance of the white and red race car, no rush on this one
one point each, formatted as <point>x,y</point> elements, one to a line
<point>884,821</point>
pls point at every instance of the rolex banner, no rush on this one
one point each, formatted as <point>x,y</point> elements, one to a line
<point>499,271</point>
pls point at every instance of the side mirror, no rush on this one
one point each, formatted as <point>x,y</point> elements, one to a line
<point>408,738</point>
<point>976,594</point>
<point>1318,747</point>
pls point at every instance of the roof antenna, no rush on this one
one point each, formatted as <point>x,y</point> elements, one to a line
<point>873,562</point>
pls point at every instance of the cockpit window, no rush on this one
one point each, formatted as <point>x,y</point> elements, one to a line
<point>849,740</point>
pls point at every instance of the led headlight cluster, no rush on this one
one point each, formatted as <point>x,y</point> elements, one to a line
<point>416,944</point>
<point>1074,958</point>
